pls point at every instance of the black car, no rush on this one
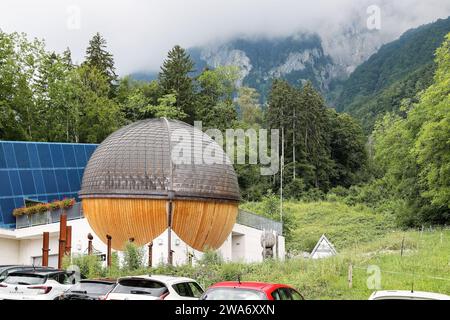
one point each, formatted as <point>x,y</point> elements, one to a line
<point>5,270</point>
<point>89,290</point>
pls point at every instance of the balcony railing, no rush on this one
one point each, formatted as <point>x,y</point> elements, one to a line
<point>259,222</point>
<point>37,219</point>
<point>76,212</point>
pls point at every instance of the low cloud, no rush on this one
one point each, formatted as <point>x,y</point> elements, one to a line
<point>139,33</point>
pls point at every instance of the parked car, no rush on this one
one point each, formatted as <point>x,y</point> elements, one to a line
<point>236,290</point>
<point>155,288</point>
<point>407,295</point>
<point>5,270</point>
<point>89,290</point>
<point>47,284</point>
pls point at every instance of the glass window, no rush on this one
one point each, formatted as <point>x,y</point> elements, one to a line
<point>92,287</point>
<point>50,181</point>
<point>34,157</point>
<point>44,155</point>
<point>69,155</point>
<point>295,295</point>
<point>39,181</point>
<point>15,182</point>
<point>234,294</point>
<point>89,151</point>
<point>196,289</point>
<point>24,279</point>
<point>80,156</point>
<point>57,156</point>
<point>5,185</point>
<point>21,150</point>
<point>26,179</point>
<point>183,289</point>
<point>61,180</point>
<point>276,295</point>
<point>74,180</point>
<point>285,294</point>
<point>140,286</point>
<point>9,155</point>
<point>2,157</point>
<point>7,206</point>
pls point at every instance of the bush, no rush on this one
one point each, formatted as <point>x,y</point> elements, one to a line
<point>90,265</point>
<point>294,189</point>
<point>313,194</point>
<point>271,204</point>
<point>133,257</point>
<point>210,258</point>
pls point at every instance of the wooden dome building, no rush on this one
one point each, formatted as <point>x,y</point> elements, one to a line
<point>157,173</point>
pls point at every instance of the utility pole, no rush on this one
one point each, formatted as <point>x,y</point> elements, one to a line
<point>281,174</point>
<point>293,143</point>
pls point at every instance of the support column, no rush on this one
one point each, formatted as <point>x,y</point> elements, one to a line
<point>45,248</point>
<point>62,239</point>
<point>169,228</point>
<point>90,238</point>
<point>69,240</point>
<point>150,254</point>
<point>108,254</point>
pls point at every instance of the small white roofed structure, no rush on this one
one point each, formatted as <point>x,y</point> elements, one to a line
<point>323,249</point>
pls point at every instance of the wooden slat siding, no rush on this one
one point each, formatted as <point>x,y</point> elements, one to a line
<point>123,219</point>
<point>201,224</point>
<point>204,224</point>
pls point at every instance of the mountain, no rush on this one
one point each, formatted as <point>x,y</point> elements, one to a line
<point>295,58</point>
<point>398,71</point>
<point>323,58</point>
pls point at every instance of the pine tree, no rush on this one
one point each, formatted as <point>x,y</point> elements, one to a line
<point>174,79</point>
<point>98,57</point>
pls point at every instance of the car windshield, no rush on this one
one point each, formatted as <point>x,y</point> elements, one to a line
<point>96,288</point>
<point>140,286</point>
<point>234,294</point>
<point>25,279</point>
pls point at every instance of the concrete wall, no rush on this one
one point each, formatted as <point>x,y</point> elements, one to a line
<point>23,246</point>
<point>9,251</point>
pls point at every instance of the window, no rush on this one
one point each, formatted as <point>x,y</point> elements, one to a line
<point>284,294</point>
<point>140,286</point>
<point>234,294</point>
<point>25,279</point>
<point>188,289</point>
<point>295,295</point>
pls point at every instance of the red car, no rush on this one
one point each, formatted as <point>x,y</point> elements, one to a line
<point>235,290</point>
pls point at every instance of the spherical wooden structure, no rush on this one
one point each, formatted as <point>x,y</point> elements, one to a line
<point>138,170</point>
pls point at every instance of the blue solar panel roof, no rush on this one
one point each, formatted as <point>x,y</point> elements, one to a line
<point>39,171</point>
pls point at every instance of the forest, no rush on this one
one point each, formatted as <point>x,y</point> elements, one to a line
<point>401,167</point>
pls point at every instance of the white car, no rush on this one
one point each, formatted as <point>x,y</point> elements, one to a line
<point>155,288</point>
<point>407,295</point>
<point>35,285</point>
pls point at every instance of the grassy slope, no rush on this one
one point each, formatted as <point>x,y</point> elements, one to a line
<point>424,257</point>
<point>344,226</point>
<point>362,238</point>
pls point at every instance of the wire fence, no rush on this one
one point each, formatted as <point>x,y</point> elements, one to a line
<point>258,222</point>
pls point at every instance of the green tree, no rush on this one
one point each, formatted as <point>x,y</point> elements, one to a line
<point>174,78</point>
<point>98,114</point>
<point>166,108</point>
<point>214,102</point>
<point>248,102</point>
<point>97,56</point>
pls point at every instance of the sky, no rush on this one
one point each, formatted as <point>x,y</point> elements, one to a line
<point>140,32</point>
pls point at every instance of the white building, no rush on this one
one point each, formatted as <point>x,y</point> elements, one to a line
<point>24,244</point>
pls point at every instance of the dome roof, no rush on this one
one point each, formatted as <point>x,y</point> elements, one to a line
<point>135,161</point>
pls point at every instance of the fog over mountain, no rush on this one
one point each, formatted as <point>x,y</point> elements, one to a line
<point>140,33</point>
